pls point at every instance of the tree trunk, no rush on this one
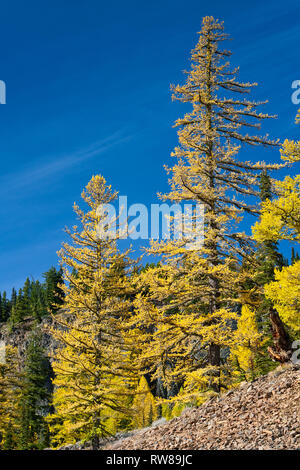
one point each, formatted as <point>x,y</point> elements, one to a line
<point>281,350</point>
<point>214,360</point>
<point>95,443</point>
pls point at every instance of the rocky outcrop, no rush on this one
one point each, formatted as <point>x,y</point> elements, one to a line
<point>19,336</point>
<point>261,415</point>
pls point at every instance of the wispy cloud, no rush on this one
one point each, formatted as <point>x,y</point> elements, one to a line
<point>42,171</point>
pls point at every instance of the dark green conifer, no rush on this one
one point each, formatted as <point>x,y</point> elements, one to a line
<point>53,292</point>
<point>36,395</point>
<point>18,311</point>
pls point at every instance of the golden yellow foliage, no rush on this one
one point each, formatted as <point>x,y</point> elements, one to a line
<point>280,218</point>
<point>144,406</point>
<point>247,343</point>
<point>187,306</point>
<point>10,394</point>
<point>290,151</point>
<point>93,369</point>
<point>284,292</point>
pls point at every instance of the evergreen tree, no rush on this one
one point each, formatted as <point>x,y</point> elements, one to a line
<point>268,258</point>
<point>5,307</point>
<point>11,381</point>
<point>268,255</point>
<point>280,221</point>
<point>93,368</point>
<point>247,346</point>
<point>144,406</point>
<point>284,292</point>
<point>8,437</point>
<point>19,310</point>
<point>53,289</point>
<point>36,395</point>
<point>295,256</point>
<point>38,304</point>
<point>13,299</point>
<point>27,290</point>
<point>196,287</point>
<point>34,299</point>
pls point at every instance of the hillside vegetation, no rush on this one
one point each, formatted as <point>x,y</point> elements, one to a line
<point>110,343</point>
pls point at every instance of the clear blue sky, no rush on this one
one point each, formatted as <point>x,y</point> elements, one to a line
<point>88,92</point>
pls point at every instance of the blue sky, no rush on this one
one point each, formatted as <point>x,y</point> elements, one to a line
<point>88,92</point>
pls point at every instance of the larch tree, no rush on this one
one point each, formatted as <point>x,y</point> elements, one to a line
<point>11,382</point>
<point>284,292</point>
<point>190,297</point>
<point>93,369</point>
<point>266,259</point>
<point>144,406</point>
<point>247,346</point>
<point>280,220</point>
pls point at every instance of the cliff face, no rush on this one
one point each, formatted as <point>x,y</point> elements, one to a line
<point>264,414</point>
<point>20,335</point>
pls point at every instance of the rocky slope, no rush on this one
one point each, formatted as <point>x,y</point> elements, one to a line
<point>264,414</point>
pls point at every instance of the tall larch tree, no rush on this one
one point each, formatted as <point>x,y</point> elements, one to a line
<point>191,296</point>
<point>93,370</point>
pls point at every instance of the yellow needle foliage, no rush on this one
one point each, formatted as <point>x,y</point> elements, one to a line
<point>187,307</point>
<point>280,218</point>
<point>290,151</point>
<point>144,406</point>
<point>10,394</point>
<point>247,344</point>
<point>284,292</point>
<point>94,374</point>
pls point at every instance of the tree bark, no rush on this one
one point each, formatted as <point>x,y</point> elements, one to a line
<point>95,443</point>
<point>281,350</point>
<point>214,360</point>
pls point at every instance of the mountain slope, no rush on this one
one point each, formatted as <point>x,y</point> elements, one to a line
<point>264,414</point>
